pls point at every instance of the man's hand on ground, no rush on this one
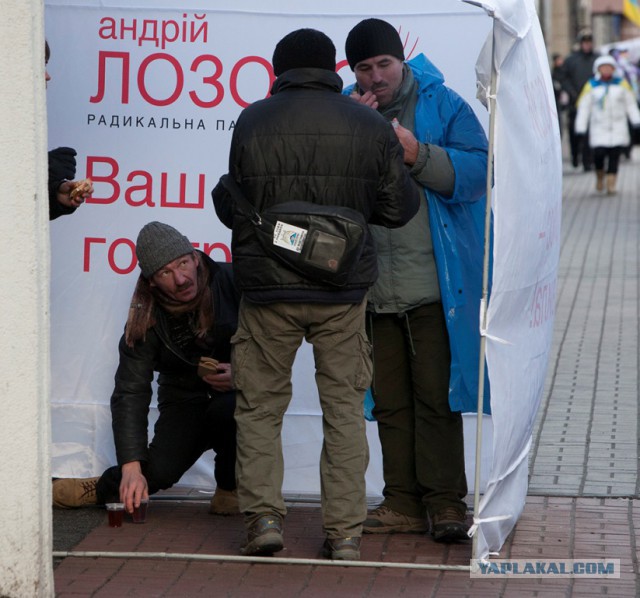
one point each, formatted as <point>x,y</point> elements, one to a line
<point>133,486</point>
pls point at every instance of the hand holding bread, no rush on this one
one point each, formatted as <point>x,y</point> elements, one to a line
<point>82,188</point>
<point>73,193</point>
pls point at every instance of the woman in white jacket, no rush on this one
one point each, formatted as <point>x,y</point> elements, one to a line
<point>604,105</point>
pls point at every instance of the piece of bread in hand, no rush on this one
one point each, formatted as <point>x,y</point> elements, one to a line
<point>80,187</point>
<point>208,366</point>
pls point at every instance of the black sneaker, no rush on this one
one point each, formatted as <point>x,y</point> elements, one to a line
<point>264,536</point>
<point>449,526</point>
<point>342,549</point>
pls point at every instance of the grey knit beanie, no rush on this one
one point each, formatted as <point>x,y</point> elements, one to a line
<point>157,245</point>
<point>304,48</point>
<point>372,37</point>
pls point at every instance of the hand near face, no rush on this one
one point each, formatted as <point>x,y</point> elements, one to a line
<point>368,98</point>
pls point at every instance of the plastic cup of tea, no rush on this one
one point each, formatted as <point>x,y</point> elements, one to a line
<point>139,514</point>
<point>115,512</point>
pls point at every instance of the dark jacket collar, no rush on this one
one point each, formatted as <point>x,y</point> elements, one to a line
<point>308,78</point>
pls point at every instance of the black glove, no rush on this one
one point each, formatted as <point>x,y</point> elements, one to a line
<point>62,165</point>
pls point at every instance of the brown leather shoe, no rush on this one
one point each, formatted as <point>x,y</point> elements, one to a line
<point>224,502</point>
<point>264,536</point>
<point>384,520</point>
<point>342,549</point>
<point>71,493</point>
<point>449,525</point>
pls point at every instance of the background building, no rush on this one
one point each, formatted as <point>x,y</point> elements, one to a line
<point>609,20</point>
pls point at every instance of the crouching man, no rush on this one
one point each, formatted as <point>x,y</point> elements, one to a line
<point>184,308</point>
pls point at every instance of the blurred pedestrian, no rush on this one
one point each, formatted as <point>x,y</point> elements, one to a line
<point>630,70</point>
<point>605,104</point>
<point>631,73</point>
<point>576,71</point>
<point>561,96</point>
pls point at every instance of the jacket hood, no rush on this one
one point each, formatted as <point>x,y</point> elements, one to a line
<point>426,73</point>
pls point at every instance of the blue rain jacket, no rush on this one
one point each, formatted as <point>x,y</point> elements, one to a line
<point>443,118</point>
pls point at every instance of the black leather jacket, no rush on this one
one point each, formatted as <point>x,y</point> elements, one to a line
<point>308,142</point>
<point>177,368</point>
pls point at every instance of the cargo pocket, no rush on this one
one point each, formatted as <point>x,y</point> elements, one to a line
<point>240,348</point>
<point>364,369</point>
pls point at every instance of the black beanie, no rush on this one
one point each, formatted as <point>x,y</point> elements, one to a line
<point>304,48</point>
<point>372,37</point>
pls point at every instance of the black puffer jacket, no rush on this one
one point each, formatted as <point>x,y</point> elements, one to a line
<point>308,142</point>
<point>177,367</point>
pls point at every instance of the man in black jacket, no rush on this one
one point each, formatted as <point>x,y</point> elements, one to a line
<point>184,308</point>
<point>576,71</point>
<point>306,142</point>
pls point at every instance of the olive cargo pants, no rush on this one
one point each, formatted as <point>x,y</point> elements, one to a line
<point>264,349</point>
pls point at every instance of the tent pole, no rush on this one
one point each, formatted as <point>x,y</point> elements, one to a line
<point>491,97</point>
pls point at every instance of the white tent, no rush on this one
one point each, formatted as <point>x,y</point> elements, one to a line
<point>513,74</point>
<point>148,99</point>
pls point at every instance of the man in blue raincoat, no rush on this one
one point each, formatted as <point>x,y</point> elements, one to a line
<point>424,308</point>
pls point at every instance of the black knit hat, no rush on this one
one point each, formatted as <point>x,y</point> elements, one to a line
<point>157,245</point>
<point>304,48</point>
<point>372,37</point>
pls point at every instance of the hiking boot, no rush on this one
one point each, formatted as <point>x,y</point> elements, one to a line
<point>224,502</point>
<point>449,525</point>
<point>71,493</point>
<point>384,520</point>
<point>342,549</point>
<point>264,536</point>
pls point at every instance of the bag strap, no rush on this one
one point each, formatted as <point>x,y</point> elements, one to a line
<point>246,209</point>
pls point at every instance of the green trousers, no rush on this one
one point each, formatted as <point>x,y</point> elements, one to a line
<point>421,438</point>
<point>264,349</point>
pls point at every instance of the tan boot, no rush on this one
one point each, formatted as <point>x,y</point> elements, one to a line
<point>599,180</point>
<point>384,520</point>
<point>71,493</point>
<point>611,184</point>
<point>224,502</point>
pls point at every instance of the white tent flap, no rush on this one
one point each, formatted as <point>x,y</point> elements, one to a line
<point>526,206</point>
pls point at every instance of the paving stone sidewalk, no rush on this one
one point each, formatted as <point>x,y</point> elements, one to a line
<point>586,438</point>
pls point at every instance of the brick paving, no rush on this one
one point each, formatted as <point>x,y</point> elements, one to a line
<point>583,498</point>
